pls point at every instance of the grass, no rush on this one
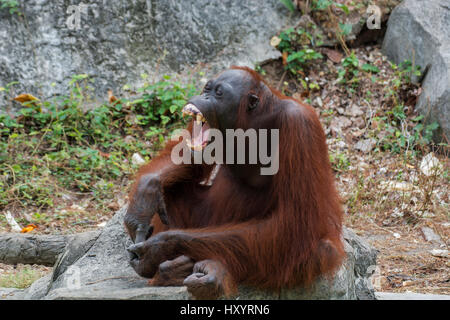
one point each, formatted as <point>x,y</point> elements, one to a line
<point>57,149</point>
<point>21,277</point>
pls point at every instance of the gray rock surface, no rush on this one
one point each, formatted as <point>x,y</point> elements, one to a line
<point>30,248</point>
<point>410,296</point>
<point>42,249</point>
<point>419,31</point>
<point>117,41</point>
<point>96,267</point>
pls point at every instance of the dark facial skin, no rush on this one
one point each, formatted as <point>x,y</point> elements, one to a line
<point>219,103</point>
<point>220,99</point>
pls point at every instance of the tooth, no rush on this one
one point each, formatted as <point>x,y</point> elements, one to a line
<point>199,118</point>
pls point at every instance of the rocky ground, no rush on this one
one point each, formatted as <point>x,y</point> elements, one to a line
<point>388,200</point>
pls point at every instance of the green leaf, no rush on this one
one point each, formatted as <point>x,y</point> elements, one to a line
<point>323,4</point>
<point>370,68</point>
<point>173,108</point>
<point>343,7</point>
<point>289,5</point>
<point>345,28</point>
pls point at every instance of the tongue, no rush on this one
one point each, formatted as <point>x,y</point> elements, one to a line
<point>200,134</point>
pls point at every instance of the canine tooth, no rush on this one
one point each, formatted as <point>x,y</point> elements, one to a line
<point>198,148</point>
<point>194,147</point>
<point>199,118</point>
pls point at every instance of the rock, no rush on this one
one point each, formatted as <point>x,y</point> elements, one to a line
<point>146,293</point>
<point>31,248</point>
<point>339,123</point>
<point>136,159</point>
<point>410,296</point>
<point>418,31</point>
<point>442,253</point>
<point>96,267</point>
<point>430,236</point>
<point>354,111</point>
<point>430,165</point>
<point>39,249</point>
<point>359,123</point>
<point>116,41</point>
<point>365,145</point>
<point>11,294</point>
<point>402,186</point>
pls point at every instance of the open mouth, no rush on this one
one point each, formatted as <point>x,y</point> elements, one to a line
<point>200,129</point>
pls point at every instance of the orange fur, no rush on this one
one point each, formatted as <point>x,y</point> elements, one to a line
<point>281,235</point>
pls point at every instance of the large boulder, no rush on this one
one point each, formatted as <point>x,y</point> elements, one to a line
<point>96,267</point>
<point>419,31</point>
<point>116,41</point>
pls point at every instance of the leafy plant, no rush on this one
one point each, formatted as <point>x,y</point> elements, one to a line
<point>11,5</point>
<point>404,132</point>
<point>296,45</point>
<point>289,5</point>
<point>404,71</point>
<point>370,68</point>
<point>349,72</point>
<point>57,144</point>
<point>339,161</point>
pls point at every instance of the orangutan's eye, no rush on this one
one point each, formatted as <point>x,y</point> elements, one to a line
<point>219,91</point>
<point>208,86</point>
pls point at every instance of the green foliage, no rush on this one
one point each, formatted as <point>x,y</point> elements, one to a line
<point>404,71</point>
<point>370,68</point>
<point>297,60</point>
<point>298,45</point>
<point>11,5</point>
<point>402,135</point>
<point>58,144</point>
<point>324,4</point>
<point>260,70</point>
<point>345,28</point>
<point>339,161</point>
<point>349,72</point>
<point>289,5</point>
<point>22,278</point>
<point>403,132</point>
<point>321,4</point>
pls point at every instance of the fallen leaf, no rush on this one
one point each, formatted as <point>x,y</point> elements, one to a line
<point>25,97</point>
<point>28,228</point>
<point>111,98</point>
<point>284,56</point>
<point>104,154</point>
<point>334,55</point>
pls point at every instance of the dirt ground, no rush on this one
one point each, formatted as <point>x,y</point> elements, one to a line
<point>387,199</point>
